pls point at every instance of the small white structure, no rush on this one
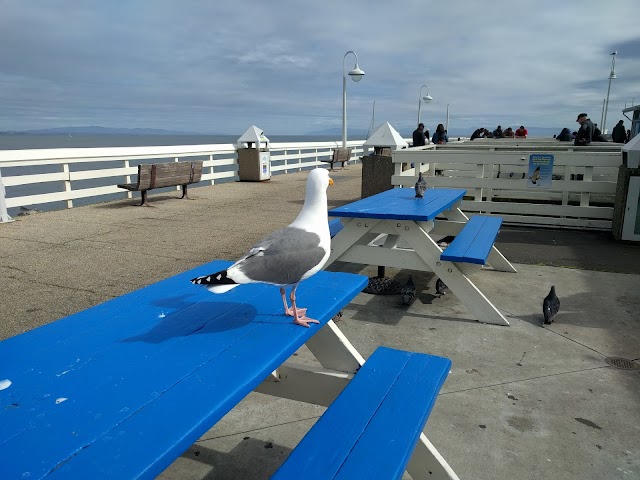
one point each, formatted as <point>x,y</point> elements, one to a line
<point>253,135</point>
<point>385,136</point>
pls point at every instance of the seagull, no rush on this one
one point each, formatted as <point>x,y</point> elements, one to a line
<point>550,306</point>
<point>421,186</point>
<point>408,291</point>
<point>441,288</point>
<point>287,256</point>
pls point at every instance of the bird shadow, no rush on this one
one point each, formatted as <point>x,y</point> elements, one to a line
<point>196,318</point>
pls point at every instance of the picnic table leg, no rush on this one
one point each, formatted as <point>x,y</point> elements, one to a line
<point>353,231</point>
<point>496,259</point>
<point>427,463</point>
<point>317,385</point>
<point>459,283</point>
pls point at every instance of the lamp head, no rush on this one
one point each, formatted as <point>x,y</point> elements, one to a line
<point>427,98</point>
<point>356,74</point>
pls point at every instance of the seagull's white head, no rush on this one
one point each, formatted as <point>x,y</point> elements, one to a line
<point>318,180</point>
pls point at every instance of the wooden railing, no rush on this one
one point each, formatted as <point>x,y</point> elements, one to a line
<point>494,173</point>
<point>59,178</point>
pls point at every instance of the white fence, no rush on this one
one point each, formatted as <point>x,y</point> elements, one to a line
<point>65,175</point>
<point>494,173</point>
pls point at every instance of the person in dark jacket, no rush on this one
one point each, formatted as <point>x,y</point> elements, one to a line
<point>597,134</point>
<point>419,140</point>
<point>585,132</point>
<point>440,135</point>
<point>498,133</point>
<point>618,134</point>
<point>565,135</point>
<point>477,133</point>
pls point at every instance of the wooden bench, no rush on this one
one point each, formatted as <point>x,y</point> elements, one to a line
<point>158,175</point>
<point>339,155</point>
<point>120,390</point>
<point>474,242</point>
<point>371,429</point>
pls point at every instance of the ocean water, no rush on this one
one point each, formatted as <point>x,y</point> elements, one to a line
<point>27,141</point>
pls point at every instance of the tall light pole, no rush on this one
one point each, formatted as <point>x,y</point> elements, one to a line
<point>427,98</point>
<point>356,75</point>
<point>612,76</point>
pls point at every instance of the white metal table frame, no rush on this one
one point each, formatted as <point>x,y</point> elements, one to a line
<point>355,244</point>
<point>339,362</point>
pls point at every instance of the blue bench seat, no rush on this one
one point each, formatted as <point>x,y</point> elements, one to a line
<point>474,242</point>
<point>335,226</point>
<point>371,429</point>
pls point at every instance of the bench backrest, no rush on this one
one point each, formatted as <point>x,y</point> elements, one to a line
<point>342,154</point>
<point>168,174</point>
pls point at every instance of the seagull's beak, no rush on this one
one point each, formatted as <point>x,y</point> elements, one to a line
<point>330,181</point>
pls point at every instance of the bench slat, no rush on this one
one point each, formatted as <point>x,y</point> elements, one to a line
<point>474,242</point>
<point>145,374</point>
<point>371,429</point>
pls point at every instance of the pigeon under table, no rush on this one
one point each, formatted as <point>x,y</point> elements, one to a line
<point>410,227</point>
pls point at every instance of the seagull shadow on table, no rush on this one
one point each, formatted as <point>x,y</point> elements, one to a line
<point>196,318</point>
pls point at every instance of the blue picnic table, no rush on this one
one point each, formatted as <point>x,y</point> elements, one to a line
<point>395,229</point>
<point>120,390</point>
<point>162,363</point>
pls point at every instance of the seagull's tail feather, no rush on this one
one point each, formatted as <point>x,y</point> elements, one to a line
<point>216,282</point>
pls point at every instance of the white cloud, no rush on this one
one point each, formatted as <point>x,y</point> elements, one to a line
<point>220,66</point>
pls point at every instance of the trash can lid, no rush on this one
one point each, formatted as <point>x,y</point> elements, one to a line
<point>253,135</point>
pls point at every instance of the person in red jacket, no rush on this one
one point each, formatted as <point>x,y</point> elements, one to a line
<point>521,132</point>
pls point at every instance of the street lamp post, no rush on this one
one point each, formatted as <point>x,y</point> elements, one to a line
<point>427,98</point>
<point>612,76</point>
<point>356,75</point>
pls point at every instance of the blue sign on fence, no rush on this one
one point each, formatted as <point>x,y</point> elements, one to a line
<point>540,170</point>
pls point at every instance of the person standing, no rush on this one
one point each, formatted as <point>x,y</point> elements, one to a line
<point>419,140</point>
<point>585,133</point>
<point>619,134</point>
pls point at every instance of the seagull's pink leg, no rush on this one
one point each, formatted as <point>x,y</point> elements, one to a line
<point>287,309</point>
<point>299,317</point>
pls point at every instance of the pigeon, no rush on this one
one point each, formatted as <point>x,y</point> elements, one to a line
<point>287,256</point>
<point>441,288</point>
<point>408,291</point>
<point>421,186</point>
<point>550,306</point>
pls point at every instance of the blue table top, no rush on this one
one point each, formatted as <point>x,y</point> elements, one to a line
<point>402,204</point>
<point>122,389</point>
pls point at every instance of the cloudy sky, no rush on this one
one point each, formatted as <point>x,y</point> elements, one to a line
<point>219,66</point>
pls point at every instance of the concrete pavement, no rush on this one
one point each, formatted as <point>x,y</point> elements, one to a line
<point>521,402</point>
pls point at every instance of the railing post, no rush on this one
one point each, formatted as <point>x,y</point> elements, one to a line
<point>67,183</point>
<point>4,215</point>
<point>127,178</point>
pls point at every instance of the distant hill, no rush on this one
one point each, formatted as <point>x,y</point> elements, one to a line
<point>94,130</point>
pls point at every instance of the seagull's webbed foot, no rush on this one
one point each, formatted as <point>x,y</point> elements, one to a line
<point>299,314</point>
<point>289,310</point>
<point>304,321</point>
